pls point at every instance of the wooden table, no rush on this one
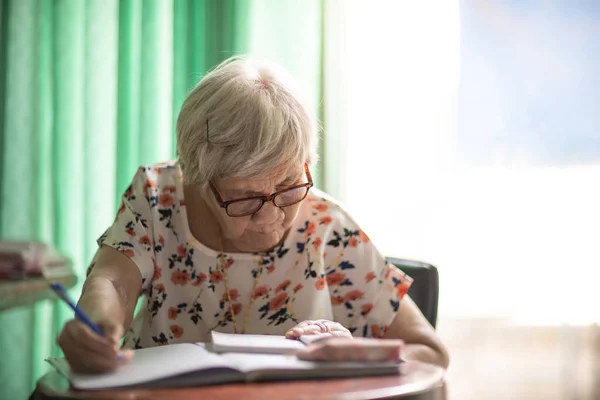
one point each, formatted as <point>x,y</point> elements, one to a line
<point>30,290</point>
<point>419,381</point>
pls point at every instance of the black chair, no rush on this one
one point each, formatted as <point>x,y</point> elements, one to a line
<point>425,289</point>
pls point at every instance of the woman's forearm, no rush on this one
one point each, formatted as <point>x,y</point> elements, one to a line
<point>421,352</point>
<point>100,298</point>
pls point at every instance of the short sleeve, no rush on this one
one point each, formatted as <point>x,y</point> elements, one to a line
<point>366,291</point>
<point>131,232</point>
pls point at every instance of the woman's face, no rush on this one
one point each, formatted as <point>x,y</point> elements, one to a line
<point>267,227</point>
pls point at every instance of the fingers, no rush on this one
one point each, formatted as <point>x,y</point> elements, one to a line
<point>88,352</point>
<point>294,333</point>
<point>113,332</point>
<point>125,356</point>
<point>318,327</point>
<point>79,334</point>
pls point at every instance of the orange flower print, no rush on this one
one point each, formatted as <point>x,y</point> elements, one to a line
<point>181,202</point>
<point>130,232</point>
<point>237,308</point>
<point>310,229</point>
<point>354,295</point>
<point>129,253</point>
<point>376,331</point>
<point>317,243</point>
<point>173,312</point>
<point>157,273</point>
<point>216,276</point>
<point>320,284</point>
<point>160,288</point>
<point>363,237</point>
<point>320,207</point>
<point>337,300</point>
<point>121,208</point>
<point>228,263</point>
<point>298,287</point>
<point>200,279</point>
<point>370,276</point>
<point>366,308</point>
<point>271,268</point>
<point>353,242</point>
<point>282,286</point>
<point>233,293</point>
<point>325,220</point>
<point>180,277</point>
<point>161,240</point>
<point>166,200</point>
<point>402,289</point>
<point>181,251</point>
<point>145,240</point>
<point>176,330</point>
<point>260,292</point>
<point>278,301</point>
<point>335,278</point>
<point>169,189</point>
<point>149,184</point>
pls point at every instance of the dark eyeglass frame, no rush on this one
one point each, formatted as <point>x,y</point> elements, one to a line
<point>264,199</point>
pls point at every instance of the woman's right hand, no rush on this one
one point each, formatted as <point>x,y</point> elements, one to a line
<point>88,352</point>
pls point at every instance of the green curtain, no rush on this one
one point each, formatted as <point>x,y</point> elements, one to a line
<point>291,32</point>
<point>89,90</point>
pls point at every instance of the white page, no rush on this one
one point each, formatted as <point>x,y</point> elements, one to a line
<point>247,362</point>
<point>242,343</point>
<point>148,365</point>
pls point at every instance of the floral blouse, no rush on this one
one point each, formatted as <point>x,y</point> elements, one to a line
<point>326,268</point>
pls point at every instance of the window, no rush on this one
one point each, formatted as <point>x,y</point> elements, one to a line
<point>479,122</point>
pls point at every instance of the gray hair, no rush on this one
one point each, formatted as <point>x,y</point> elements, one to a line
<point>244,118</point>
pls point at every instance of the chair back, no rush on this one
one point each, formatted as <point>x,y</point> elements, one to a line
<point>426,286</point>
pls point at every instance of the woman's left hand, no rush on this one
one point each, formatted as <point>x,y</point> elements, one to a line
<point>318,327</point>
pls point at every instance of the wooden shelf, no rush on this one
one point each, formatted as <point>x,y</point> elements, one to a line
<point>28,291</point>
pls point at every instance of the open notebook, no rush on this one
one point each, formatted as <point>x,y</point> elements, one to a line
<point>192,364</point>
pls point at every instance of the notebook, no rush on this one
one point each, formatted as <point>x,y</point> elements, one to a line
<point>264,344</point>
<point>192,364</point>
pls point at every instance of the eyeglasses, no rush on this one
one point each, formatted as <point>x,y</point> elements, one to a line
<point>250,205</point>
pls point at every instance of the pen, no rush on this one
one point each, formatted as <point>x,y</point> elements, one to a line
<point>62,293</point>
<point>79,314</point>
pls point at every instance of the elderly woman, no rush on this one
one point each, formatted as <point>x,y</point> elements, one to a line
<point>234,237</point>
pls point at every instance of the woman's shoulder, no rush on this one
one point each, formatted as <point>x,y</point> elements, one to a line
<point>166,169</point>
<point>157,175</point>
<point>326,211</point>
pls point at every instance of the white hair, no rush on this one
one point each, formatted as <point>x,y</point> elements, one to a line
<point>243,119</point>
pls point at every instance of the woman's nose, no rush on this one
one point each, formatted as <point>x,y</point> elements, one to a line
<point>269,213</point>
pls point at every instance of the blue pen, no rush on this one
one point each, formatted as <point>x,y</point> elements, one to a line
<point>62,293</point>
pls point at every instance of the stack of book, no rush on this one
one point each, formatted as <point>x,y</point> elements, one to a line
<point>20,260</point>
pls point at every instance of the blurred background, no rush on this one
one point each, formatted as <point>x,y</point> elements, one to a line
<point>463,133</point>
